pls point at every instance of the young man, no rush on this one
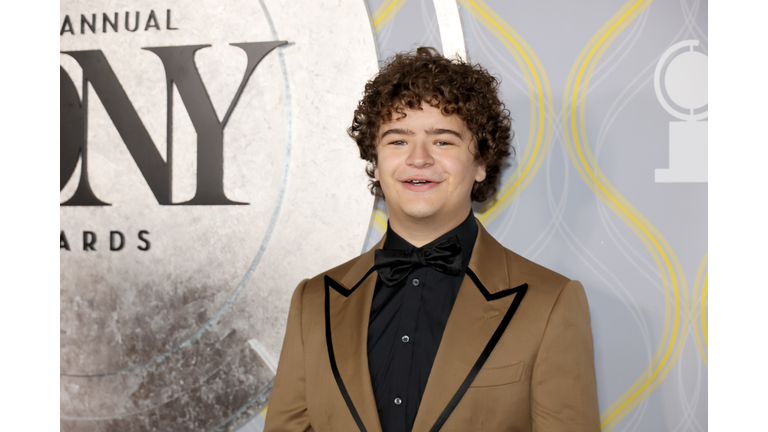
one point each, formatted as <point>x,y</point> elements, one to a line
<point>438,327</point>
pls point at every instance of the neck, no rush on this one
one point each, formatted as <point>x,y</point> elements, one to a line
<point>420,231</point>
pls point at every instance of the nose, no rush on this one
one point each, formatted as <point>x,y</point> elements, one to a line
<point>420,155</point>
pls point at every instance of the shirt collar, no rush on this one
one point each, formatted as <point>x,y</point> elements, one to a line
<point>466,233</point>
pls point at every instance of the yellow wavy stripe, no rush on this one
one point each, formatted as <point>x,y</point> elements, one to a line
<point>667,262</point>
<point>671,352</point>
<point>702,313</point>
<point>380,219</point>
<point>541,121</point>
<point>652,376</point>
<point>263,413</point>
<point>386,12</point>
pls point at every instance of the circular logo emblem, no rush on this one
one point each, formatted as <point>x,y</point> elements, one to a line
<point>205,171</point>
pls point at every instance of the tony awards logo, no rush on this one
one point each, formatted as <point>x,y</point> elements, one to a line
<point>680,82</point>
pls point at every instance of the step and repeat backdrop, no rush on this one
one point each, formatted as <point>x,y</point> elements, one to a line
<point>205,171</point>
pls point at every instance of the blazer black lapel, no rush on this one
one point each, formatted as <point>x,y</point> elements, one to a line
<point>347,310</point>
<point>484,307</point>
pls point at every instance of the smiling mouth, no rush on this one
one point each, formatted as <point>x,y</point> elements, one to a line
<point>417,182</point>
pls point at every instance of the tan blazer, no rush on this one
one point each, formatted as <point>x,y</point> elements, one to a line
<point>516,354</point>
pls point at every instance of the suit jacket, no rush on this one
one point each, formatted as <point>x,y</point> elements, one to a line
<point>516,354</point>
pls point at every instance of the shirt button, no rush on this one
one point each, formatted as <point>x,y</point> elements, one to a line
<point>415,282</point>
<point>405,339</point>
<point>398,401</point>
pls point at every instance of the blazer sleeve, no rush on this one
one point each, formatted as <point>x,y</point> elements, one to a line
<point>287,410</point>
<point>563,388</point>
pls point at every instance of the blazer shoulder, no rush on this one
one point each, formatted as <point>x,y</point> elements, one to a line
<point>546,287</point>
<point>520,266</point>
<point>500,268</point>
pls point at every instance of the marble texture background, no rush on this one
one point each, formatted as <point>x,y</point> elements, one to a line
<point>186,336</point>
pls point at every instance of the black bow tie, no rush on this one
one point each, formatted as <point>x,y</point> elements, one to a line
<point>394,265</point>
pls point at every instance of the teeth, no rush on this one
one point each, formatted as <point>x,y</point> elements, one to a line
<point>417,182</point>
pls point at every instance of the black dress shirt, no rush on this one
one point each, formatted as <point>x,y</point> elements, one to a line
<point>405,328</point>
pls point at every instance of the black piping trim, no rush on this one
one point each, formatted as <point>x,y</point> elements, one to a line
<point>343,291</point>
<point>332,357</point>
<point>521,290</point>
<point>488,296</point>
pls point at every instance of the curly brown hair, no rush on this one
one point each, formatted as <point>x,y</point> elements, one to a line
<point>453,86</point>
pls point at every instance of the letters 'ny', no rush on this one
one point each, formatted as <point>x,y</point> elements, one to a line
<point>180,70</point>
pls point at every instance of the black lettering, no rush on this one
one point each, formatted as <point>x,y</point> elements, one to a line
<point>63,243</point>
<point>105,20</point>
<point>112,245</point>
<point>168,20</point>
<point>152,19</point>
<point>84,22</point>
<point>89,240</point>
<point>66,26</point>
<point>73,128</point>
<point>99,74</point>
<point>144,239</point>
<point>180,71</point>
<point>71,133</point>
<point>127,16</point>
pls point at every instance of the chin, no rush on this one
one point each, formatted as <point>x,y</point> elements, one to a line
<point>420,211</point>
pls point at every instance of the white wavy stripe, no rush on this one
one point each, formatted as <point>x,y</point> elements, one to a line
<point>612,111</point>
<point>602,134</point>
<point>541,242</point>
<point>695,318</point>
<point>640,259</point>
<point>494,54</point>
<point>556,222</point>
<point>505,220</point>
<point>597,268</point>
<point>431,23</point>
<point>494,57</point>
<point>632,421</point>
<point>501,63</point>
<point>695,32</point>
<point>557,218</point>
<point>382,36</point>
<point>497,59</point>
<point>624,294</point>
<point>622,100</point>
<point>689,403</point>
<point>606,125</point>
<point>607,64</point>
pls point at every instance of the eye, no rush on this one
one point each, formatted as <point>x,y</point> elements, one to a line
<point>398,143</point>
<point>442,143</point>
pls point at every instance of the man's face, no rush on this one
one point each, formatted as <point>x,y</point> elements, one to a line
<point>426,167</point>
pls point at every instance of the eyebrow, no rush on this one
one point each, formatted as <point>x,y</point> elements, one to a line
<point>432,131</point>
<point>397,131</point>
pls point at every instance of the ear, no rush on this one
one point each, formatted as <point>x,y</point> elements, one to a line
<point>376,173</point>
<point>480,174</point>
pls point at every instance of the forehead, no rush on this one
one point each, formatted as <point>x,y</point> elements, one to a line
<point>426,117</point>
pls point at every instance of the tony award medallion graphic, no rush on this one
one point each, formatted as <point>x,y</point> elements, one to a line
<point>680,82</point>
